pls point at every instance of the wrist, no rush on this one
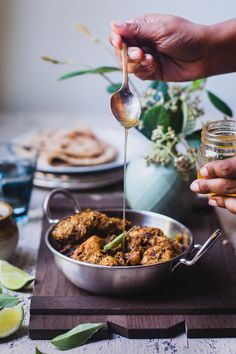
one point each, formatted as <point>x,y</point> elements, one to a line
<point>221,47</point>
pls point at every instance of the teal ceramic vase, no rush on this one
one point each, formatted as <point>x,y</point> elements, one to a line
<point>158,188</point>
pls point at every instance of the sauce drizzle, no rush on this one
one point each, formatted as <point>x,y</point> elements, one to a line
<point>124,186</point>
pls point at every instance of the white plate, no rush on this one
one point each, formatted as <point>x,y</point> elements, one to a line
<point>136,146</point>
<point>78,181</point>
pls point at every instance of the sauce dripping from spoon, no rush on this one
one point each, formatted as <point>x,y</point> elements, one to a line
<point>126,108</point>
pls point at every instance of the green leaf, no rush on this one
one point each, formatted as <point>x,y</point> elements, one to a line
<point>160,86</point>
<point>77,336</point>
<point>0,290</point>
<point>189,120</point>
<point>100,70</point>
<point>116,242</point>
<point>37,351</point>
<point>153,117</point>
<point>176,118</point>
<point>219,104</point>
<point>198,84</point>
<point>194,139</point>
<point>8,301</point>
<point>114,87</point>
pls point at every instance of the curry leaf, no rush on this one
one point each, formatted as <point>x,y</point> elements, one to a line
<point>198,84</point>
<point>8,300</point>
<point>114,87</point>
<point>219,104</point>
<point>116,242</point>
<point>77,336</point>
<point>153,117</point>
<point>100,70</point>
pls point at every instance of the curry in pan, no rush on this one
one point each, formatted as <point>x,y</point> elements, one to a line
<point>93,237</point>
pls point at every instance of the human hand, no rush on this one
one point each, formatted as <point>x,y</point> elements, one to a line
<point>219,179</point>
<point>163,47</point>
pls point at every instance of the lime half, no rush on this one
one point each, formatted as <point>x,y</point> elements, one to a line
<point>10,320</point>
<point>12,277</point>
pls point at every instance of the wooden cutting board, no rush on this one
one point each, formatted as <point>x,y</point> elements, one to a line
<point>200,300</point>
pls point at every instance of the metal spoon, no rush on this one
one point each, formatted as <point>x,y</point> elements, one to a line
<point>125,106</point>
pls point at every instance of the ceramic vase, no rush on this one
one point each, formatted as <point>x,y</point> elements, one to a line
<point>158,188</point>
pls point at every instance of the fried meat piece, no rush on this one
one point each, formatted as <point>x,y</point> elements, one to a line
<point>66,230</point>
<point>120,258</point>
<point>108,261</point>
<point>90,251</point>
<point>162,251</point>
<point>180,243</point>
<point>135,256</point>
<point>81,226</point>
<point>143,236</point>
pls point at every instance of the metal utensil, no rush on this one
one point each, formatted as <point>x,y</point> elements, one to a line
<point>125,106</point>
<point>125,279</point>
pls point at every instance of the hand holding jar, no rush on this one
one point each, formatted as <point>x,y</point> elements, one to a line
<point>217,165</point>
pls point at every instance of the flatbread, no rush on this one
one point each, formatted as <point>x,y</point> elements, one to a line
<point>77,147</point>
<point>58,158</point>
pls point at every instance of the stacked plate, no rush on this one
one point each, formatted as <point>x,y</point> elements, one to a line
<point>74,180</point>
<point>88,177</point>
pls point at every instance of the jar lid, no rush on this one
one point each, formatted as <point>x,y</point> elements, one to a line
<point>5,210</point>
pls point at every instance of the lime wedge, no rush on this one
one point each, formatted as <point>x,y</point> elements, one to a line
<point>12,277</point>
<point>10,320</point>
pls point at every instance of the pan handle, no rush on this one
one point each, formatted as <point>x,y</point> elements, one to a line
<point>50,196</point>
<point>201,250</point>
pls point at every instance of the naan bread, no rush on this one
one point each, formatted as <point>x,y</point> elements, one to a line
<point>78,147</point>
<point>58,158</point>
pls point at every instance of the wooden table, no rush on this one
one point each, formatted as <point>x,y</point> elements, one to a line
<point>25,258</point>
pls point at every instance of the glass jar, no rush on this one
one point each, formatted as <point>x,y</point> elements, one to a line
<point>218,142</point>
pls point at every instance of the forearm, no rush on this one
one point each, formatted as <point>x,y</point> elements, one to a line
<point>222,48</point>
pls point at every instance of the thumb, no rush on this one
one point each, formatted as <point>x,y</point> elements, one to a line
<point>136,29</point>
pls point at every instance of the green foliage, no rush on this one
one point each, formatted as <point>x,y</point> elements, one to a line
<point>169,119</point>
<point>189,119</point>
<point>8,301</point>
<point>176,106</point>
<point>153,117</point>
<point>219,104</point>
<point>77,336</point>
<point>165,152</point>
<point>114,87</point>
<point>198,84</point>
<point>163,147</point>
<point>100,70</point>
<point>176,118</point>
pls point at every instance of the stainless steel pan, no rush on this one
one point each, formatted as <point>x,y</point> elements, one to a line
<point>122,280</point>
